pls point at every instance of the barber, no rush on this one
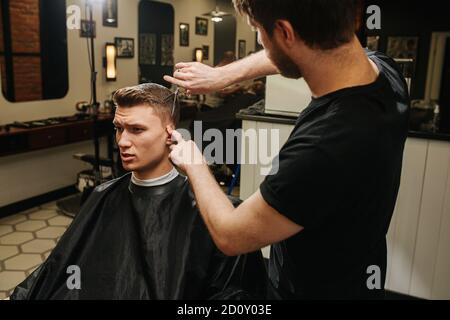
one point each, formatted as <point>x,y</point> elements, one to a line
<point>327,205</point>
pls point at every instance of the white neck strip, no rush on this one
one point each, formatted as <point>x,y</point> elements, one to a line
<point>156,181</point>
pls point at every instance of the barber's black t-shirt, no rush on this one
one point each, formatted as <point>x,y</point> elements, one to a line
<point>338,176</point>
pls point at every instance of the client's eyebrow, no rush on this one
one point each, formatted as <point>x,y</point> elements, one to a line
<point>131,124</point>
<point>136,124</point>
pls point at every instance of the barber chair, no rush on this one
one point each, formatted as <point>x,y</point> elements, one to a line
<point>110,168</point>
<point>86,182</point>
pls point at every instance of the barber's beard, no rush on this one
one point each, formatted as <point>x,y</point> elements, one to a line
<point>284,63</point>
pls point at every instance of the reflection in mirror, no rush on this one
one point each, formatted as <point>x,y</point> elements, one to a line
<point>433,112</point>
<point>33,49</point>
<point>156,42</point>
<point>224,38</point>
<point>418,31</point>
<point>438,81</point>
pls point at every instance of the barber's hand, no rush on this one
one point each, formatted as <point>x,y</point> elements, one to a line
<point>184,154</point>
<point>197,78</point>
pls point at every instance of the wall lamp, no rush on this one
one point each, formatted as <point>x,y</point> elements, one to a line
<point>110,62</point>
<point>198,54</point>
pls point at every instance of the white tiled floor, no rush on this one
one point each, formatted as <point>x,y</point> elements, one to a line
<point>26,240</point>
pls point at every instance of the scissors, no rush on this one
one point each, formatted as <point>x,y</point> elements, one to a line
<point>174,105</point>
<point>174,100</point>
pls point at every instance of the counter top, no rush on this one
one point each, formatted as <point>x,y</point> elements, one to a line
<point>290,120</point>
<point>429,135</point>
<point>272,118</point>
<point>29,136</point>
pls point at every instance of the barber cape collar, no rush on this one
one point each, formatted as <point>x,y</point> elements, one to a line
<point>156,181</point>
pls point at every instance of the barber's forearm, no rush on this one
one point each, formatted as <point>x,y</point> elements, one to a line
<point>254,66</point>
<point>212,202</point>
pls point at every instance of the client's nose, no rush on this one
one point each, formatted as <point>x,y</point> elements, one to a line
<point>123,141</point>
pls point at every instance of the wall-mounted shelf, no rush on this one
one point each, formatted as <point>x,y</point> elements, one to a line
<point>15,140</point>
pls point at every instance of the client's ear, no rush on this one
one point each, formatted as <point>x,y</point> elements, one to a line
<point>169,129</point>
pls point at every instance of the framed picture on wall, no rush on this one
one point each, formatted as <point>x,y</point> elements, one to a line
<point>125,47</point>
<point>147,48</point>
<point>242,49</point>
<point>110,13</point>
<point>205,52</point>
<point>87,29</point>
<point>184,34</point>
<point>201,26</point>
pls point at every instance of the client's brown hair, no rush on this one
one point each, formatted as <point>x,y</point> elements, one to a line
<point>154,95</point>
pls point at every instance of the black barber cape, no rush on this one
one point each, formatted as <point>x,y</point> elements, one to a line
<point>133,242</point>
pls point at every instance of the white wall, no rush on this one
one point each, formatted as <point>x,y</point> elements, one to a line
<point>54,168</point>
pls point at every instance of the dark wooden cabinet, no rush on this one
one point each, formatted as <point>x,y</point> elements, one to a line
<point>80,132</point>
<point>19,140</point>
<point>13,144</point>
<point>46,138</point>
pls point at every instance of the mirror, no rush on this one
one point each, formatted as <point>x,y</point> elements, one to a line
<point>438,78</point>
<point>224,38</point>
<point>33,50</point>
<point>156,42</point>
<point>418,31</point>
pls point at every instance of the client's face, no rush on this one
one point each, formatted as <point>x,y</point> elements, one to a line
<point>142,139</point>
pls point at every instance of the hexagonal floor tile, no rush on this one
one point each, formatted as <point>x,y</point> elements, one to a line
<point>50,205</point>
<point>8,251</point>
<point>13,219</point>
<point>60,221</point>
<point>28,272</point>
<point>31,225</point>
<point>23,262</point>
<point>42,215</point>
<point>38,246</point>
<point>5,229</point>
<point>45,255</point>
<point>50,232</point>
<point>16,238</point>
<point>10,279</point>
<point>30,210</point>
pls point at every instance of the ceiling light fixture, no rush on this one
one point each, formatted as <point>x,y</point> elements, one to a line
<point>217,15</point>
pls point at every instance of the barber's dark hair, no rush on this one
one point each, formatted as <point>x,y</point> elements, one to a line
<point>154,95</point>
<point>321,24</point>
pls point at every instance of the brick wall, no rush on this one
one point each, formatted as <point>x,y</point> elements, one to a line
<point>25,35</point>
<point>24,17</point>
<point>27,78</point>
